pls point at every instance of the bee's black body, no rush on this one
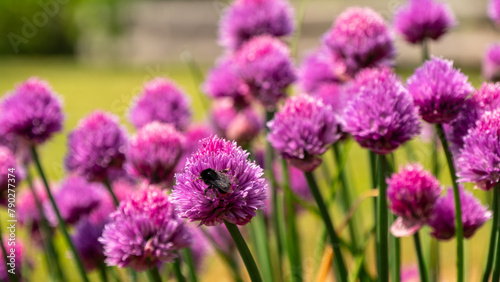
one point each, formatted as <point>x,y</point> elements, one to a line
<point>216,180</point>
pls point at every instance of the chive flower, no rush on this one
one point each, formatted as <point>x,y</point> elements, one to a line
<point>439,90</point>
<point>303,130</point>
<point>245,19</point>
<point>381,116</point>
<point>32,112</point>
<point>418,20</point>
<point>247,188</point>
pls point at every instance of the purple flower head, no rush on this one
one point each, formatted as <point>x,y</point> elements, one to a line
<point>439,90</point>
<point>245,19</point>
<point>9,166</point>
<point>302,131</point>
<point>144,232</point>
<point>382,115</point>
<point>362,38</point>
<point>75,199</point>
<point>321,67</point>
<point>486,98</point>
<point>412,194</point>
<point>32,112</point>
<point>224,81</point>
<point>161,101</point>
<point>491,63</point>
<point>265,65</point>
<point>222,114</point>
<point>421,19</point>
<point>96,147</point>
<point>154,152</point>
<point>442,221</point>
<point>86,242</point>
<point>494,11</point>
<point>246,195</point>
<point>479,160</point>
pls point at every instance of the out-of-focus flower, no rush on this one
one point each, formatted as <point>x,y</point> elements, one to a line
<point>96,147</point>
<point>412,194</point>
<point>442,221</point>
<point>223,81</point>
<point>494,11</point>
<point>75,199</point>
<point>479,160</point>
<point>85,239</point>
<point>246,194</point>
<point>382,115</point>
<point>491,63</point>
<point>486,98</point>
<point>410,274</point>
<point>264,63</point>
<point>144,232</point>
<point>302,131</point>
<point>241,126</point>
<point>362,38</point>
<point>154,152</point>
<point>245,19</point>
<point>439,90</point>
<point>421,19</point>
<point>321,67</point>
<point>163,101</point>
<point>32,112</point>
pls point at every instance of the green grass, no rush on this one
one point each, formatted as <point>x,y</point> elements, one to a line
<point>111,88</point>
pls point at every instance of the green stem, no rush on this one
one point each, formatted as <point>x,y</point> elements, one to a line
<point>269,158</point>
<point>154,275</point>
<point>424,276</point>
<point>382,221</point>
<point>245,253</point>
<point>434,267</point>
<point>458,209</point>
<point>62,224</point>
<point>52,256</point>
<point>111,192</point>
<point>292,238</point>
<point>339,264</point>
<point>493,236</point>
<point>176,266</point>
<point>496,268</point>
<point>347,196</point>
<point>102,272</point>
<point>395,247</point>
<point>188,258</point>
<point>425,50</point>
<point>261,241</point>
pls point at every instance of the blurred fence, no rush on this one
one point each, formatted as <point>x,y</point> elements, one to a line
<point>161,31</point>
